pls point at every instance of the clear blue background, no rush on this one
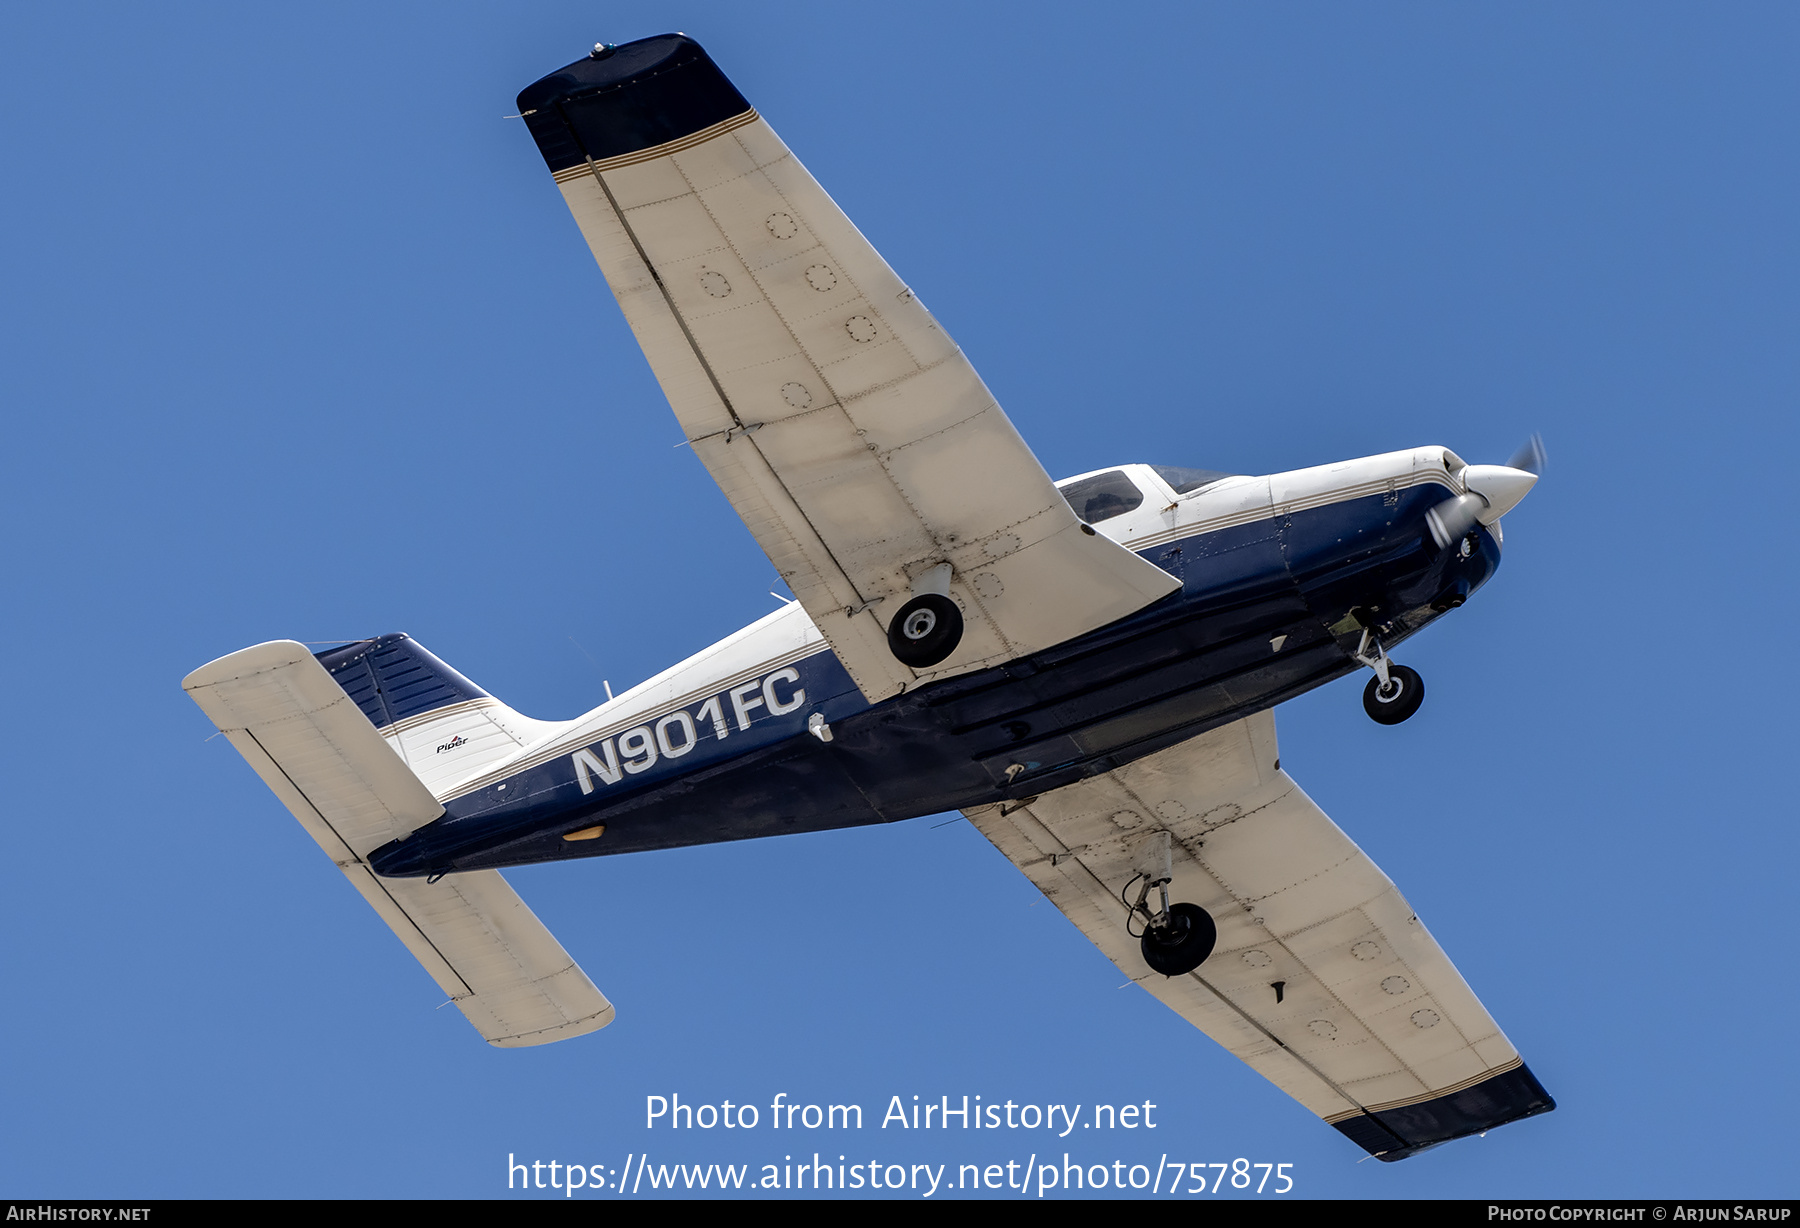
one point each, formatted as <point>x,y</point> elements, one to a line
<point>300,341</point>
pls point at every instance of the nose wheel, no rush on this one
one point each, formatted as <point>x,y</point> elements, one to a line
<point>1395,692</point>
<point>1398,699</point>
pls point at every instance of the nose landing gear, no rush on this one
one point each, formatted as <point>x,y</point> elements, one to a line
<point>1395,692</point>
<point>1397,699</point>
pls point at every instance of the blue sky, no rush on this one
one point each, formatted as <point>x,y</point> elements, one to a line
<point>298,341</point>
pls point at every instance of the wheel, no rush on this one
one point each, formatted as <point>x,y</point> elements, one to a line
<point>1184,944</point>
<point>1405,693</point>
<point>925,631</point>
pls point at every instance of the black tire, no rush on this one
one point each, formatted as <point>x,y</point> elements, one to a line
<point>925,631</point>
<point>1184,945</point>
<point>1403,698</point>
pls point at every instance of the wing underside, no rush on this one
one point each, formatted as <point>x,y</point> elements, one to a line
<point>1323,979</point>
<point>847,429</point>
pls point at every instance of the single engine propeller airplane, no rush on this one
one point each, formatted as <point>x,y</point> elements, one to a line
<point>1085,669</point>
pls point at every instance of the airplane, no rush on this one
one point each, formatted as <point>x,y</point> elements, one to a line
<point>1085,669</point>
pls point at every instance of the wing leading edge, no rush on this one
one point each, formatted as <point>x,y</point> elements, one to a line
<point>1323,979</point>
<point>847,429</point>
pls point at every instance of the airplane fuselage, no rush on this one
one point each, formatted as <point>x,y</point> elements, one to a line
<point>766,734</point>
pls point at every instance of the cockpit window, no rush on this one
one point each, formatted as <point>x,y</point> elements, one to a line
<point>1187,481</point>
<point>1102,496</point>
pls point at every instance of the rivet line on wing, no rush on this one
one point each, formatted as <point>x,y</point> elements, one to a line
<point>700,357</point>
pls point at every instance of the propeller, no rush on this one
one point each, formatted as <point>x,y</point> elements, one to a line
<point>1530,458</point>
<point>1494,490</point>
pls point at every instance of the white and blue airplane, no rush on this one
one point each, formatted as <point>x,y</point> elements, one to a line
<point>1085,669</point>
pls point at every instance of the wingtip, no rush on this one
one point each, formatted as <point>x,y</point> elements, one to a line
<point>568,1031</point>
<point>256,659</point>
<point>636,96</point>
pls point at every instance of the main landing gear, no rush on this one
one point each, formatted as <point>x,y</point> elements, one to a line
<point>925,631</point>
<point>1184,940</point>
<point>1395,692</point>
<point>1177,938</point>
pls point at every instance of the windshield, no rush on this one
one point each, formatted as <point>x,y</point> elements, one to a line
<point>1187,481</point>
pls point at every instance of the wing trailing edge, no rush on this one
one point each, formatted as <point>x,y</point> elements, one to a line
<point>1323,978</point>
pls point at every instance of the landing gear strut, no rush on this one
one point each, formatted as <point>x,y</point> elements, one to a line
<point>1395,692</point>
<point>1177,938</point>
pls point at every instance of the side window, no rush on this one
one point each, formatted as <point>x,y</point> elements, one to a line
<point>1102,496</point>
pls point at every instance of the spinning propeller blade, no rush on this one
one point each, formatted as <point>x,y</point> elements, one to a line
<point>1530,457</point>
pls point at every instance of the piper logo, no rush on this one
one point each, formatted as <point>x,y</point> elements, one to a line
<point>453,743</point>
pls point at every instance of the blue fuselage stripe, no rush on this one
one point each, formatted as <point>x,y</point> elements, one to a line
<point>1199,658</point>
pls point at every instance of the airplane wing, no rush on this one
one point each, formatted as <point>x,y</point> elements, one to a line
<point>839,418</point>
<point>312,745</point>
<point>1323,979</point>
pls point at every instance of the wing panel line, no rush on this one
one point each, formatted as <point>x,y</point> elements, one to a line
<point>693,345</point>
<point>1320,982</point>
<point>837,398</point>
<point>655,151</point>
<point>1197,978</point>
<point>359,863</point>
<point>1471,1081</point>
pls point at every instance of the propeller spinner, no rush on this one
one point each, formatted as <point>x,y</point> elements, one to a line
<point>1494,490</point>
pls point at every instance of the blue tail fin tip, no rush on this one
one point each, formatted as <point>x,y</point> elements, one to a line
<point>393,677</point>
